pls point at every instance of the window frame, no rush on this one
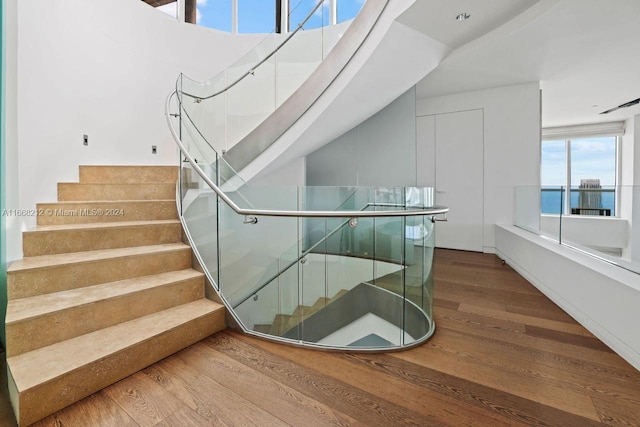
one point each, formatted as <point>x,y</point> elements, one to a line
<point>566,187</point>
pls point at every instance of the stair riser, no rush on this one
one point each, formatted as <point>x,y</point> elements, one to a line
<point>65,241</point>
<point>77,213</point>
<point>47,398</point>
<point>279,324</point>
<point>41,331</point>
<point>128,174</point>
<point>27,283</point>
<point>88,192</point>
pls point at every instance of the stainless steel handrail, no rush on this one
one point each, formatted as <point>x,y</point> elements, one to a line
<point>436,210</point>
<point>307,252</point>
<point>266,58</point>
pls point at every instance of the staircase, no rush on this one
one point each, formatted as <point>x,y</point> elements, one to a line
<point>105,289</point>
<point>283,323</point>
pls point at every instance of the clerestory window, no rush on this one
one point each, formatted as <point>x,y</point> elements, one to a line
<point>261,16</point>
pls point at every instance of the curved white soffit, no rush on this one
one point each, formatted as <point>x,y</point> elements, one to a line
<point>334,113</point>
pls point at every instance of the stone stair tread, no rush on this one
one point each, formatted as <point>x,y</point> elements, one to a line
<point>101,225</point>
<point>25,308</point>
<point>44,261</point>
<point>80,191</point>
<point>45,364</point>
<point>133,184</point>
<point>88,202</point>
<point>296,318</point>
<point>128,173</point>
<point>71,212</point>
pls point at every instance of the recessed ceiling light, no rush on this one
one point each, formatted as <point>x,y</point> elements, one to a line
<point>463,16</point>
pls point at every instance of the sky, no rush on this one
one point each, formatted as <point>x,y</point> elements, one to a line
<point>590,158</point>
<point>258,16</point>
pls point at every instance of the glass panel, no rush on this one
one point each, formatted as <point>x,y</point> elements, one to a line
<point>389,247</point>
<point>553,175</point>
<point>313,286</point>
<point>417,277</point>
<point>302,54</point>
<point>288,281</point>
<point>256,16</point>
<point>612,239</point>
<point>301,10</point>
<point>216,14</point>
<point>552,200</point>
<point>274,308</point>
<point>428,252</point>
<point>198,202</point>
<point>261,313</point>
<point>206,113</point>
<point>348,9</point>
<point>551,223</point>
<point>252,99</point>
<point>249,253</point>
<point>528,202</point>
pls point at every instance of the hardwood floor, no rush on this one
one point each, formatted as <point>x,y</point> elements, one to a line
<point>502,354</point>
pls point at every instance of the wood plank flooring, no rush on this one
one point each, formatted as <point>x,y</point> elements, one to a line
<point>502,355</point>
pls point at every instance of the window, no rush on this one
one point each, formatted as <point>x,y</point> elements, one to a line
<point>300,9</point>
<point>215,14</point>
<point>263,16</point>
<point>348,9</point>
<point>256,16</point>
<point>585,169</point>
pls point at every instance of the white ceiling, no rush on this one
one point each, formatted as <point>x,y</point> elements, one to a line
<point>586,53</point>
<point>437,18</point>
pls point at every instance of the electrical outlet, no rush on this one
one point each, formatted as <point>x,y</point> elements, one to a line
<point>85,139</point>
<point>154,149</point>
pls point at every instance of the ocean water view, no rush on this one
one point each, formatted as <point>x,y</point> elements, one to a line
<point>552,201</point>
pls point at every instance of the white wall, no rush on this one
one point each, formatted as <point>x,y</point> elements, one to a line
<point>293,174</point>
<point>102,68</point>
<point>635,218</point>
<point>511,144</point>
<point>602,297</point>
<point>378,152</point>
<point>13,224</point>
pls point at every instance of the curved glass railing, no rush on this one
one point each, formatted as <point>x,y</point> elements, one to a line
<point>247,107</point>
<point>231,104</point>
<point>329,267</point>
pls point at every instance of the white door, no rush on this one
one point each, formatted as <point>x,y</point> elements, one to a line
<point>458,140</point>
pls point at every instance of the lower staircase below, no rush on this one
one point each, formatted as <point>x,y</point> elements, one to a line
<point>363,316</point>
